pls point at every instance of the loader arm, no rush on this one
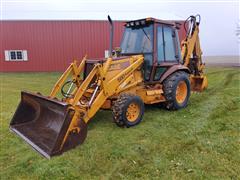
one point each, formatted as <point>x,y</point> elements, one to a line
<point>104,89</point>
<point>113,86</point>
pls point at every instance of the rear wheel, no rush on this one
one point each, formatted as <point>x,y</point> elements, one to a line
<point>177,90</point>
<point>128,110</point>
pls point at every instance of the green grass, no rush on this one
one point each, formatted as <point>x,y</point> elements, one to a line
<point>201,141</point>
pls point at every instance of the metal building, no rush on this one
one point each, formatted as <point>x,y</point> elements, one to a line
<point>28,46</point>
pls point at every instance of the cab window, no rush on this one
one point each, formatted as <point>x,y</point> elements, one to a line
<point>169,44</point>
<point>160,47</point>
<point>165,44</point>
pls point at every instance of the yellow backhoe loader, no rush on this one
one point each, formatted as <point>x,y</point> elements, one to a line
<point>149,67</point>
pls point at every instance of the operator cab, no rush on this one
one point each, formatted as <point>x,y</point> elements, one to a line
<point>157,40</point>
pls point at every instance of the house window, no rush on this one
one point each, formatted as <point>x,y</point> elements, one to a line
<point>16,55</point>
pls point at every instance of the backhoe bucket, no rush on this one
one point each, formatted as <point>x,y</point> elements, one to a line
<point>44,124</point>
<point>198,83</point>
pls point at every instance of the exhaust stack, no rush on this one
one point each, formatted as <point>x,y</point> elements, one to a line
<point>111,36</point>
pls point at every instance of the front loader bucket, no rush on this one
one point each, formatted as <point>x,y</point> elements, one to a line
<point>198,83</point>
<point>44,123</point>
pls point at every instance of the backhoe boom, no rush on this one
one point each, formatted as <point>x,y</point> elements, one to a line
<point>192,54</point>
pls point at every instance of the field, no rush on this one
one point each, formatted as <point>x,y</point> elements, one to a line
<point>201,141</point>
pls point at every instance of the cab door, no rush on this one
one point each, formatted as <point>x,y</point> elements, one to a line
<point>167,48</point>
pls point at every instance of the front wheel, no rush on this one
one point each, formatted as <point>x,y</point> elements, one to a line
<point>128,110</point>
<point>177,90</point>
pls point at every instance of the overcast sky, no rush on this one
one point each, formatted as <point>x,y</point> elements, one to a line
<point>218,30</point>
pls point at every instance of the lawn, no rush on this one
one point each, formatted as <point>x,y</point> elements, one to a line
<point>201,141</point>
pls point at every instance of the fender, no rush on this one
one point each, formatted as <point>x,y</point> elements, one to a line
<point>173,69</point>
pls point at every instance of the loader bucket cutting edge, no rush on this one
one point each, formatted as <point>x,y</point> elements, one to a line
<point>43,123</point>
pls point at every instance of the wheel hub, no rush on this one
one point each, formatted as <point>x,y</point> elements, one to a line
<point>181,92</point>
<point>133,111</point>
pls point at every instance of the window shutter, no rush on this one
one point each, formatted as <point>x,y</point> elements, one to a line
<point>25,57</point>
<point>6,55</point>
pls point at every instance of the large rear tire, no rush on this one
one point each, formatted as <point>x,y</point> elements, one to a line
<point>177,90</point>
<point>128,110</point>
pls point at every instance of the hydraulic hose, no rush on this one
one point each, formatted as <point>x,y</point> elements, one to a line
<point>64,93</point>
<point>193,19</point>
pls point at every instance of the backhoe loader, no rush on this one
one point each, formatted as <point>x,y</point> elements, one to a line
<point>150,67</point>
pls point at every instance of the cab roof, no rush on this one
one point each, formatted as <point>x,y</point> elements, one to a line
<point>148,21</point>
